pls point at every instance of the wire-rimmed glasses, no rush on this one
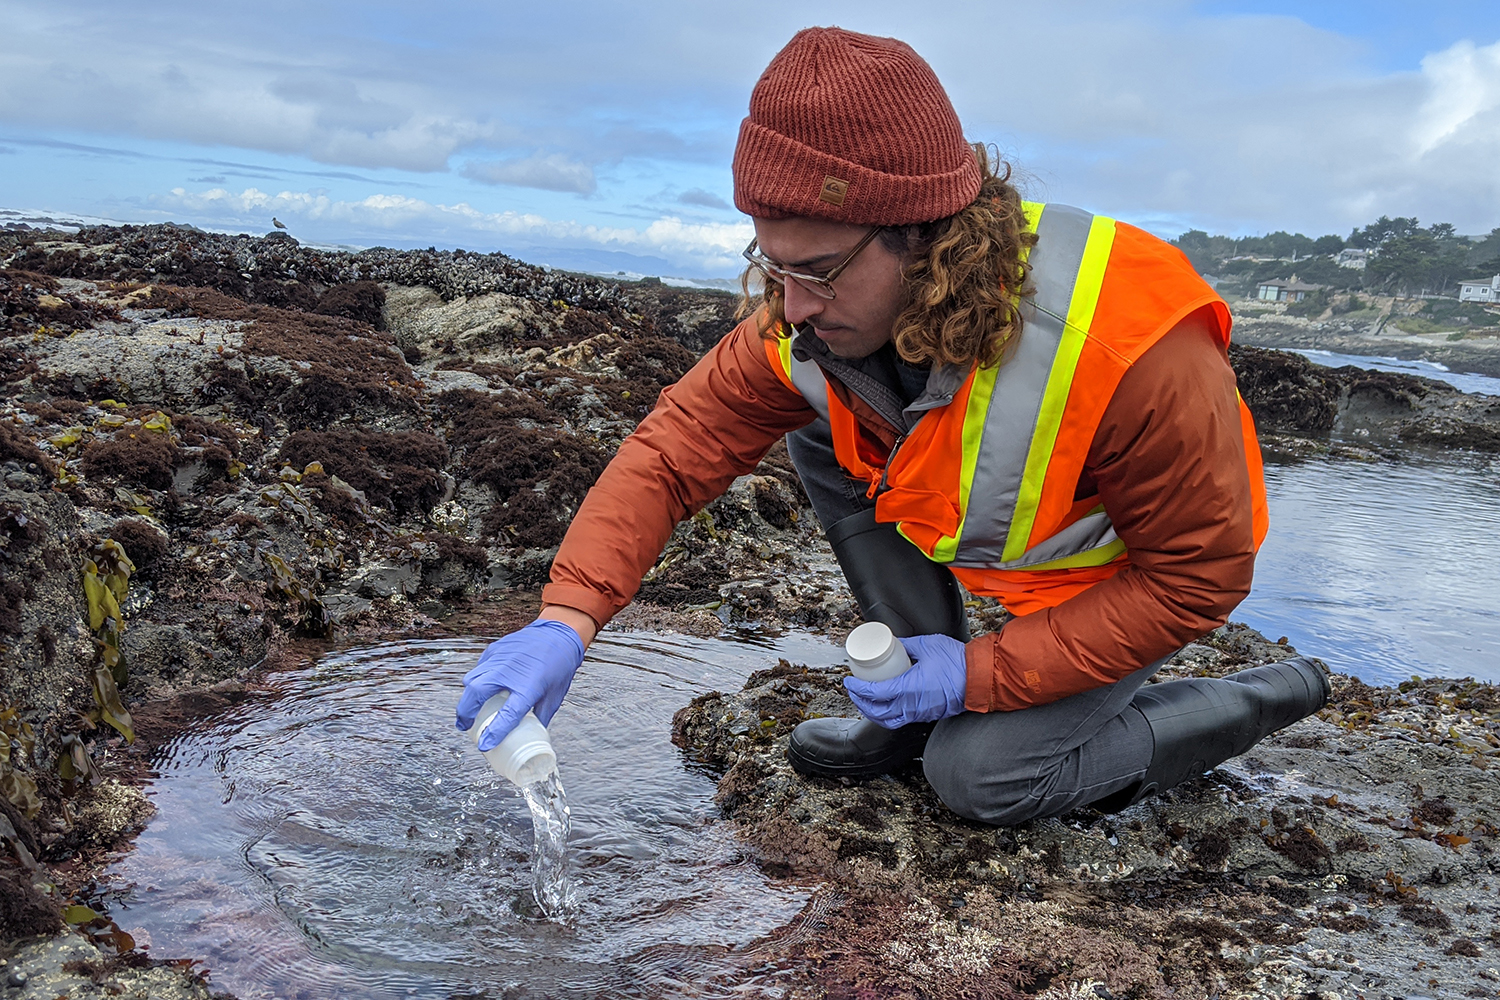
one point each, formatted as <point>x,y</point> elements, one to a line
<point>820,285</point>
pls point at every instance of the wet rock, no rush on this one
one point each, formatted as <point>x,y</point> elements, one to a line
<point>1288,393</point>
<point>69,965</point>
<point>1340,833</point>
<point>1285,391</point>
<point>384,579</point>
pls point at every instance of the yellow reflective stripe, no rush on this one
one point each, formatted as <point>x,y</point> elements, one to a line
<point>784,350</point>
<point>974,419</point>
<point>946,550</point>
<point>1060,382</point>
<point>1089,557</point>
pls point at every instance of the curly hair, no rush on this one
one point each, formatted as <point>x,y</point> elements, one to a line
<point>963,278</point>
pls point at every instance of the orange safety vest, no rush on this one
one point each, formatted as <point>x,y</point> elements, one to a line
<point>985,483</point>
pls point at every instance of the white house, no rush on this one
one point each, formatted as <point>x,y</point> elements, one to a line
<point>1281,290</point>
<point>1352,258</point>
<point>1480,290</point>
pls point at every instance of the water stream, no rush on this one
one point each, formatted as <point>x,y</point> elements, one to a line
<point>551,824</point>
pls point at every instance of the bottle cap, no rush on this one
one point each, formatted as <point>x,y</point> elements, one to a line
<point>870,643</point>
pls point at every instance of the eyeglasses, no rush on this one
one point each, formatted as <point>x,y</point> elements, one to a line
<point>819,285</point>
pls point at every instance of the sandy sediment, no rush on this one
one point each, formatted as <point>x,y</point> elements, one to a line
<point>216,450</point>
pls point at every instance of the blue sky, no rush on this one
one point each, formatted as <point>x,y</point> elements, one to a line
<point>599,135</point>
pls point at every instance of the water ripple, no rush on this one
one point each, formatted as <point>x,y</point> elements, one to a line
<point>337,837</point>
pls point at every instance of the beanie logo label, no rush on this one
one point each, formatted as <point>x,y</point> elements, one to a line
<point>834,190</point>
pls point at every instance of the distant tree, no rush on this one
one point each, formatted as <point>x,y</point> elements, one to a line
<point>1328,244</point>
<point>1417,259</point>
<point>1195,244</point>
<point>1207,253</point>
<point>1484,256</point>
<point>1383,230</point>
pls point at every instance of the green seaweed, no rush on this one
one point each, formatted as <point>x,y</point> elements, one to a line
<point>74,763</point>
<point>19,789</point>
<point>106,581</point>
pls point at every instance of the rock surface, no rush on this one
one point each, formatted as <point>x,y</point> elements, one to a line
<point>1349,855</point>
<point>254,443</point>
<point>1357,410</point>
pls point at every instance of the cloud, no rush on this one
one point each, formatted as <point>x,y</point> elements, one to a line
<point>207,180</point>
<point>1158,110</point>
<point>1464,91</point>
<point>549,172</point>
<point>258,171</point>
<point>703,199</point>
<point>700,247</point>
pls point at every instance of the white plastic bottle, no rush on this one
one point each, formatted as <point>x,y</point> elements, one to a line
<point>525,756</point>
<point>876,653</point>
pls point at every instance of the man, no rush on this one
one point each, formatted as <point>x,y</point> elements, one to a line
<point>1029,398</point>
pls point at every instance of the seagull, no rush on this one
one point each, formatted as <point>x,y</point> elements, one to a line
<point>277,223</point>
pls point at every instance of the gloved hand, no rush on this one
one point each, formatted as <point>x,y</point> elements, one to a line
<point>932,689</point>
<point>535,664</point>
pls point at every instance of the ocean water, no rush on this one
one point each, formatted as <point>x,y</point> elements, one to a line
<point>1384,570</point>
<point>1466,381</point>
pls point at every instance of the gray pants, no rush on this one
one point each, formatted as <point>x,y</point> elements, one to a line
<point>1006,767</point>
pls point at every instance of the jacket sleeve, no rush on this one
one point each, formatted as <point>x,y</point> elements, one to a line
<point>713,425</point>
<point>1169,465</point>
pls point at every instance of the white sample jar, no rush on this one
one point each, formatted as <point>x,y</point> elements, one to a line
<point>523,757</point>
<point>876,653</point>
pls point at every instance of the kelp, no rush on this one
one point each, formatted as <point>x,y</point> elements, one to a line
<point>17,740</point>
<point>106,581</point>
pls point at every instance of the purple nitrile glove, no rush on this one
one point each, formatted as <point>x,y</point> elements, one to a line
<point>535,664</point>
<point>932,689</point>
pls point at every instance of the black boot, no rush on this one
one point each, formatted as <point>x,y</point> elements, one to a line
<point>1198,724</point>
<point>893,583</point>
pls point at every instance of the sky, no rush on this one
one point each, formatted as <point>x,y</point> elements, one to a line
<point>599,136</point>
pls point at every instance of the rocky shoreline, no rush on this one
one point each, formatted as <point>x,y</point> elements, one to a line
<point>216,448</point>
<point>1373,334</point>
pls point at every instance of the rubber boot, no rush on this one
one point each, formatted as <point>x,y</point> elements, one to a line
<point>893,583</point>
<point>1199,723</point>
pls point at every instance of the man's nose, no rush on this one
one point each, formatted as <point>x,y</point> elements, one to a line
<point>799,304</point>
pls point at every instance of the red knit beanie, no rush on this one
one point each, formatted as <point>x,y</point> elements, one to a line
<point>852,128</point>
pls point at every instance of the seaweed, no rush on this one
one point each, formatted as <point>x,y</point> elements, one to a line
<point>362,301</point>
<point>17,743</point>
<point>106,580</point>
<point>347,368</point>
<point>134,456</point>
<point>539,475</point>
<point>395,470</point>
<point>144,543</point>
<point>17,447</point>
<point>24,912</point>
<point>296,295</point>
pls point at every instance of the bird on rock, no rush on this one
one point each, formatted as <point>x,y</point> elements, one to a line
<point>277,223</point>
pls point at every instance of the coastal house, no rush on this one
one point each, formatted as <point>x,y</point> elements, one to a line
<point>1480,290</point>
<point>1284,290</point>
<point>1351,257</point>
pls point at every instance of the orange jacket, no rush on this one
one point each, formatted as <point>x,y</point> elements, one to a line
<point>1167,461</point>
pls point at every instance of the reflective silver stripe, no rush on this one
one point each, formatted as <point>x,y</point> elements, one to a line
<point>1062,233</point>
<point>1086,533</point>
<point>808,379</point>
